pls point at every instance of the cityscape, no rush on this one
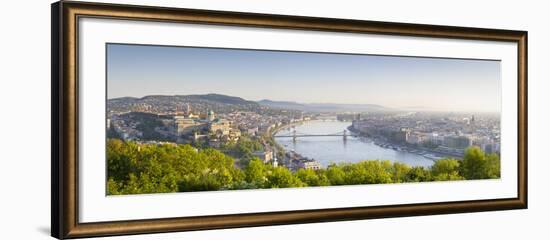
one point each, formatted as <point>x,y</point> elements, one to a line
<point>192,120</point>
<point>220,140</point>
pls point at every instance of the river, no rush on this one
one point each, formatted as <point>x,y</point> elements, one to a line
<point>333,149</point>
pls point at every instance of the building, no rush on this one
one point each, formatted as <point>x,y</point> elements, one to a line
<point>266,156</point>
<point>306,164</point>
<point>457,142</point>
<point>359,125</point>
<point>400,136</point>
<point>415,138</point>
<point>436,139</point>
<point>188,109</point>
<point>252,131</point>
<point>220,126</point>
<point>210,116</point>
<point>234,135</point>
<point>185,125</point>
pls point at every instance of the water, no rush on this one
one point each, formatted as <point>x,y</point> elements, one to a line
<point>333,149</point>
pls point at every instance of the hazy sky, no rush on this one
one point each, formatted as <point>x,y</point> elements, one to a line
<point>397,82</point>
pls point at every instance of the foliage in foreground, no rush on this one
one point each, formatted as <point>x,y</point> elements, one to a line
<point>148,168</point>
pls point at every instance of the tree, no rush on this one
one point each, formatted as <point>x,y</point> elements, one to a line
<point>368,172</point>
<point>418,174</point>
<point>281,177</point>
<point>255,173</point>
<point>399,172</point>
<point>113,187</point>
<point>473,165</point>
<point>478,165</point>
<point>493,168</point>
<point>135,168</point>
<point>313,177</point>
<point>446,169</point>
<point>120,159</point>
<point>335,175</point>
<point>150,168</point>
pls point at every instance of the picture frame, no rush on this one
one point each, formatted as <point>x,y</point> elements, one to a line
<point>67,114</point>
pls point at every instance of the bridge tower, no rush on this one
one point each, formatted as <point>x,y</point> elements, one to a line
<point>294,135</point>
<point>345,135</point>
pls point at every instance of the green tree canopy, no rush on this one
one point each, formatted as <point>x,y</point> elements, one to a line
<point>135,168</point>
<point>281,177</point>
<point>313,177</point>
<point>478,165</point>
<point>446,169</point>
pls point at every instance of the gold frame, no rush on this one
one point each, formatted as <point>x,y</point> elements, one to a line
<point>65,16</point>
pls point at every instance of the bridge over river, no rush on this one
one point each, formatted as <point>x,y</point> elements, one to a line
<point>344,134</point>
<point>325,141</point>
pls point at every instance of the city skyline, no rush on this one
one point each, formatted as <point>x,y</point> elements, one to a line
<point>432,84</point>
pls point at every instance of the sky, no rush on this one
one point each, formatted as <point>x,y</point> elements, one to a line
<point>435,84</point>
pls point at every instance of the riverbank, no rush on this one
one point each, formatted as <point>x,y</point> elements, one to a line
<point>327,149</point>
<point>280,149</point>
<point>422,151</point>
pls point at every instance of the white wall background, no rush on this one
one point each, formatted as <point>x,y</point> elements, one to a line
<point>25,119</point>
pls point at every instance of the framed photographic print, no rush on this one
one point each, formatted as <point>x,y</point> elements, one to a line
<point>167,119</point>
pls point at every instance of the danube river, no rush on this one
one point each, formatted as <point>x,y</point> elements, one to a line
<point>333,149</point>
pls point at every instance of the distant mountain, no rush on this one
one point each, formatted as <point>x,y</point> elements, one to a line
<point>222,99</point>
<point>324,107</point>
<point>212,97</point>
<point>348,107</point>
<point>223,103</point>
<point>283,105</point>
<point>123,99</point>
<point>201,103</point>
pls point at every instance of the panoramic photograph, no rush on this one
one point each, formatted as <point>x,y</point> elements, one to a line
<point>188,119</point>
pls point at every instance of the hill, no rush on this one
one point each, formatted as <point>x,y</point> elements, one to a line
<point>216,102</point>
<point>324,107</point>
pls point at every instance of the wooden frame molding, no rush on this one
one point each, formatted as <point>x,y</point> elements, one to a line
<point>65,129</point>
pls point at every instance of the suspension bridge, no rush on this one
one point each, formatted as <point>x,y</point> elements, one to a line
<point>294,135</point>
